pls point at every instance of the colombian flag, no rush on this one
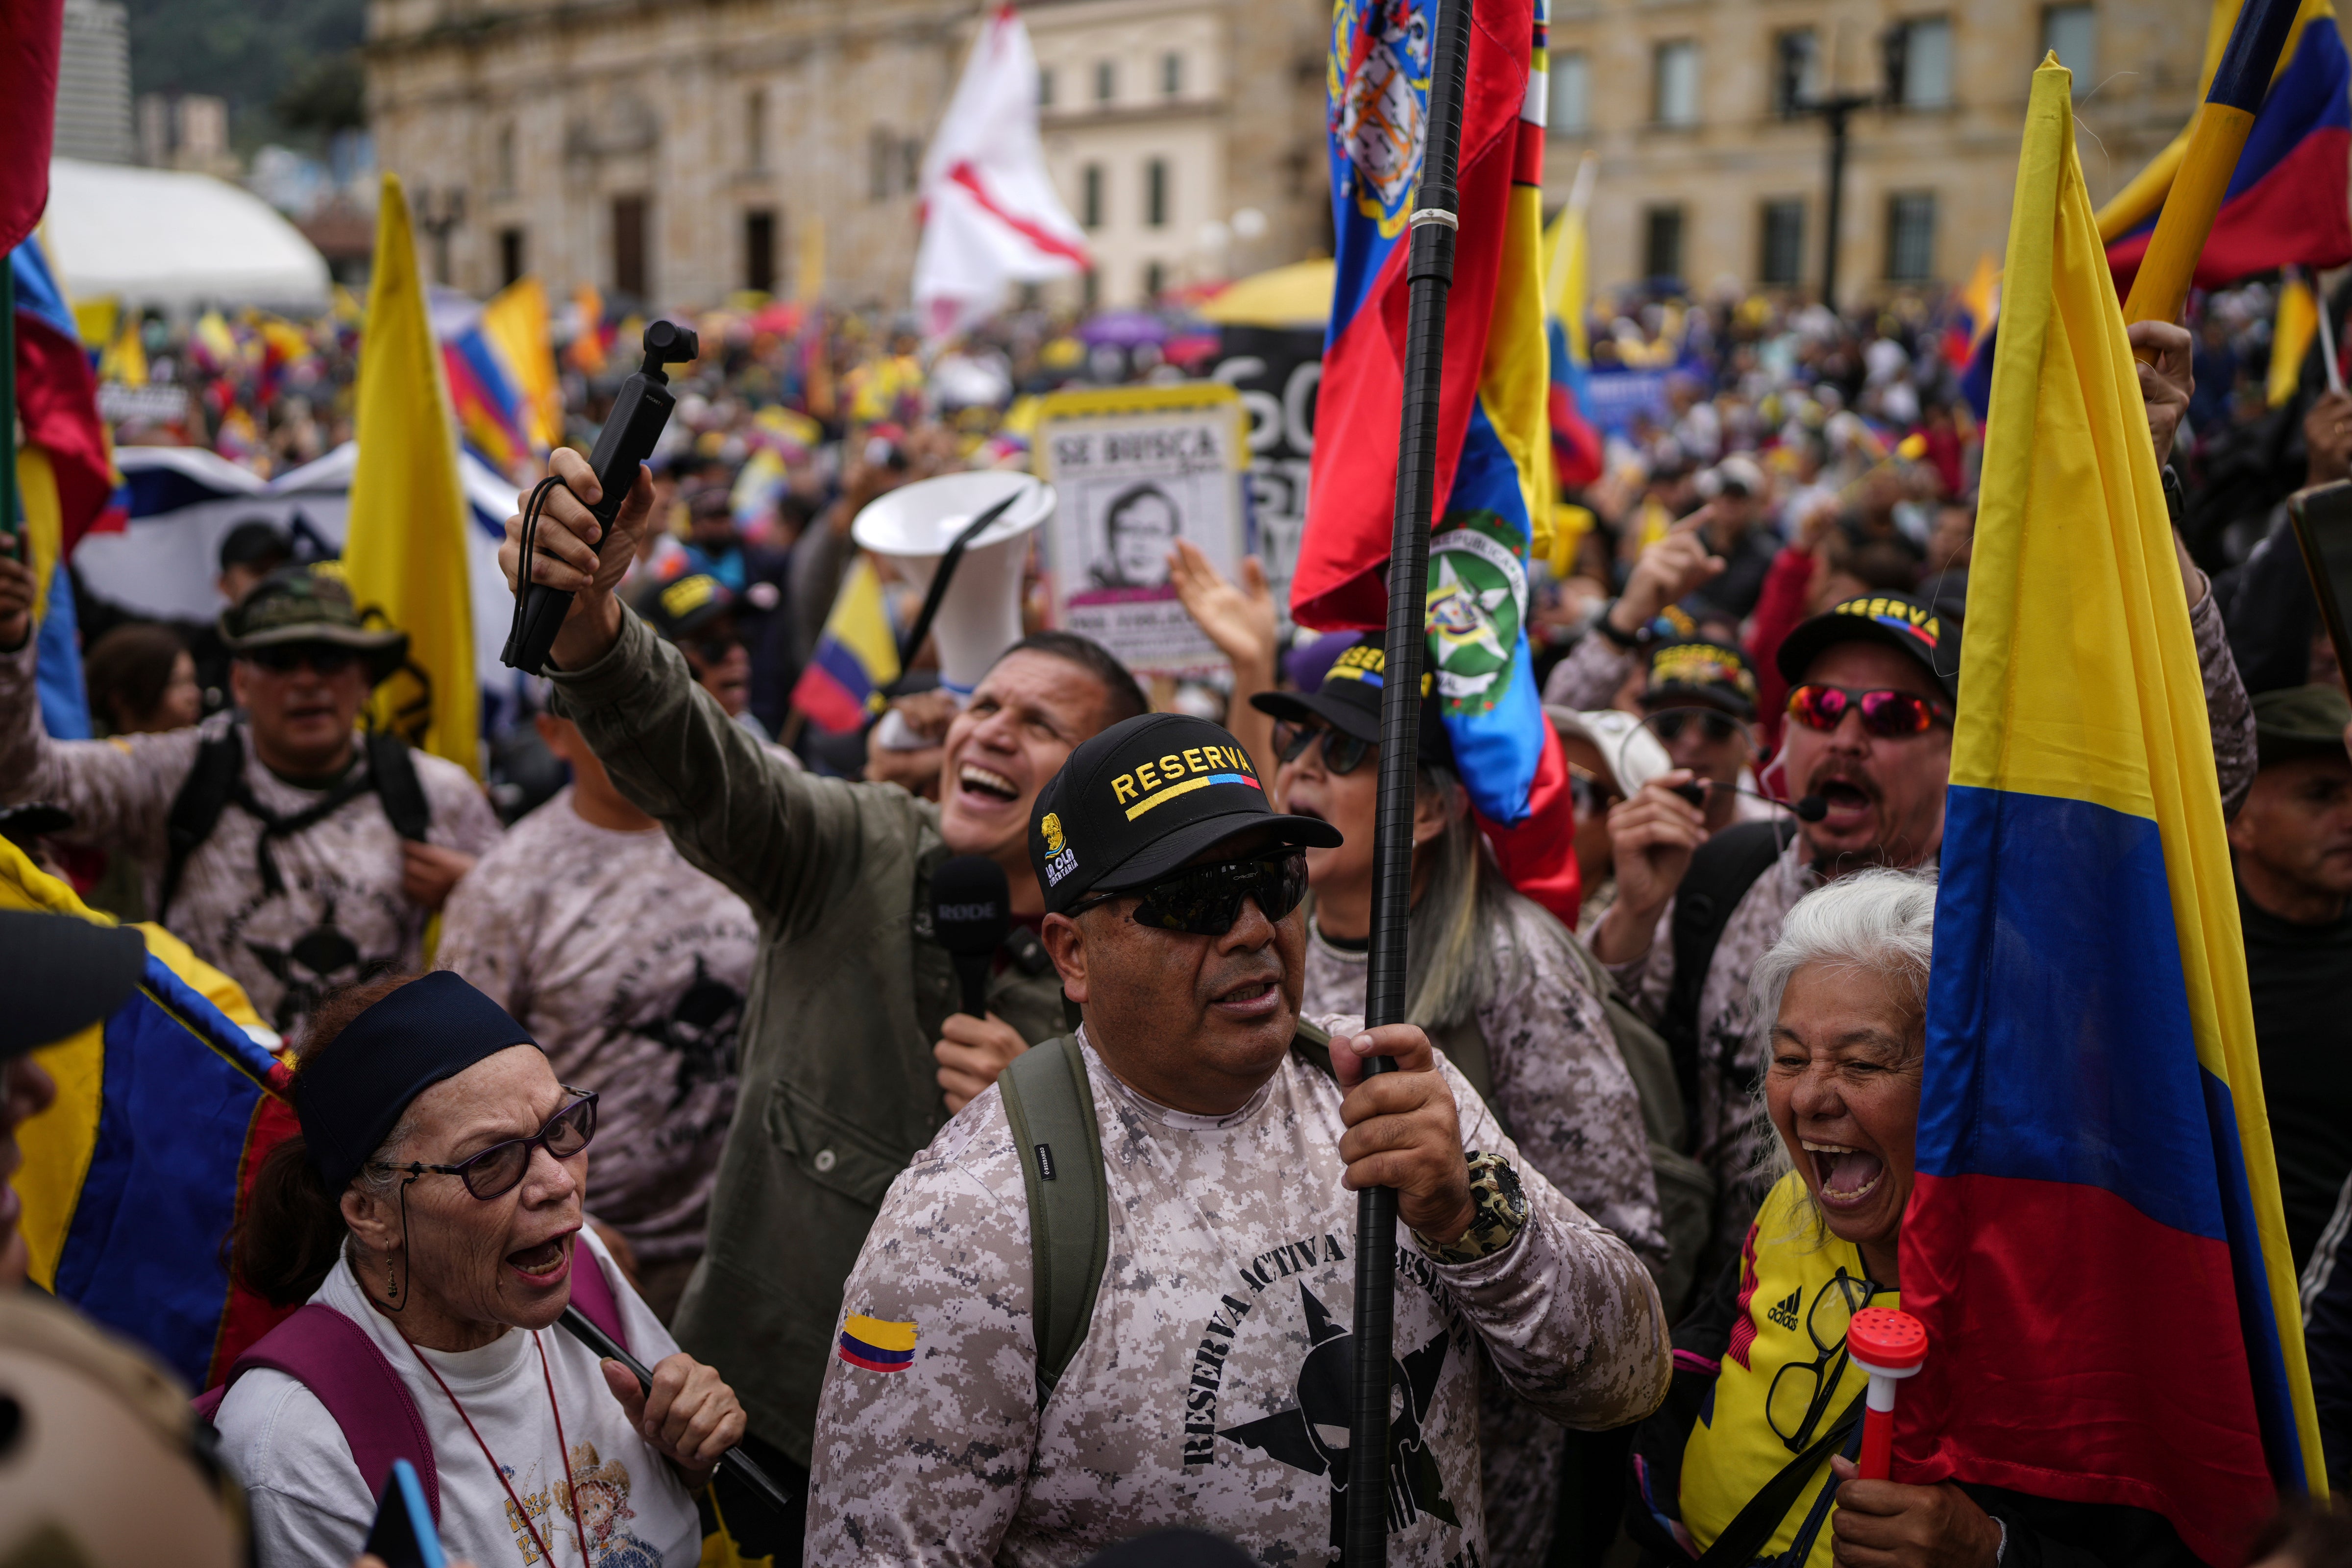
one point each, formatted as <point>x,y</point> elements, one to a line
<point>877,1346</point>
<point>134,1179</point>
<point>857,656</point>
<point>2286,202</point>
<point>2094,1241</point>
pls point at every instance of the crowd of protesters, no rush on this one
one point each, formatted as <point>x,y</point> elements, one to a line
<point>811,1207</point>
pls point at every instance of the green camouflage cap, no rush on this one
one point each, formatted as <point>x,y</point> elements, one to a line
<point>310,604</point>
<point>2300,721</point>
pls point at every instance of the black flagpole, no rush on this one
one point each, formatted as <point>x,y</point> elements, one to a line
<point>1429,273</point>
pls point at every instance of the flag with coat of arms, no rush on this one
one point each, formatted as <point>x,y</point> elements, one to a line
<point>1494,477</point>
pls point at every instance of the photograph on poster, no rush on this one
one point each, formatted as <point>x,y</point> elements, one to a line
<point>1137,469</point>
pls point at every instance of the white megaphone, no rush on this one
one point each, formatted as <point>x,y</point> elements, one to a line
<point>980,616</point>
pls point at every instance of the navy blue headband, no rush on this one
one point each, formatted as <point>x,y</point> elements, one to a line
<point>353,1096</point>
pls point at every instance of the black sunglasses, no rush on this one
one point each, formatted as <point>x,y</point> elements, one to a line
<point>499,1169</point>
<point>323,658</point>
<point>1205,900</point>
<point>1343,754</point>
<point>1669,724</point>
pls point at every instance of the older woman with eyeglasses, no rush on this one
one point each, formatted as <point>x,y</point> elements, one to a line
<point>430,1209</point>
<point>1751,1458</point>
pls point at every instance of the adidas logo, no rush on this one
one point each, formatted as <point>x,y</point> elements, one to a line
<point>1785,1314</point>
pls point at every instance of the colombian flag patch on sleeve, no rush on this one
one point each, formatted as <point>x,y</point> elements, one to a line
<point>877,1346</point>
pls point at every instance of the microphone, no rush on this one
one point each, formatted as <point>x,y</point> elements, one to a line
<point>639,412</point>
<point>1808,808</point>
<point>971,915</point>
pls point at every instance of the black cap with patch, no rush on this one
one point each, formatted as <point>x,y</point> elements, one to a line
<point>1143,797</point>
<point>1350,699</point>
<point>681,609</point>
<point>1696,673</point>
<point>1926,634</point>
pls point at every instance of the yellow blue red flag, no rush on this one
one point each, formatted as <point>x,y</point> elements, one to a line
<point>132,1179</point>
<point>2096,1241</point>
<point>405,551</point>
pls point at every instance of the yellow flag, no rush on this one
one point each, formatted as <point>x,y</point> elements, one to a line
<point>405,549</point>
<point>515,321</point>
<point>2298,323</point>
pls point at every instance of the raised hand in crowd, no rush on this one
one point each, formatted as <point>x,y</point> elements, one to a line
<point>1669,570</point>
<point>17,594</point>
<point>2165,385</point>
<point>2328,436</point>
<point>689,1416</point>
<point>915,769</point>
<point>971,1052</point>
<point>1240,619</point>
<point>1884,1524</point>
<point>571,553</point>
<point>1652,837</point>
<point>1403,1130</point>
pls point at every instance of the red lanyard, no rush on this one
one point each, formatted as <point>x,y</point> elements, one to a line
<point>521,1512</point>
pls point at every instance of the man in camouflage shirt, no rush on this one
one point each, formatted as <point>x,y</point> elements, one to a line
<point>1881,790</point>
<point>303,883</point>
<point>1212,1387</point>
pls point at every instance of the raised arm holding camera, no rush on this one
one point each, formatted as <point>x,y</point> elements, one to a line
<point>853,1024</point>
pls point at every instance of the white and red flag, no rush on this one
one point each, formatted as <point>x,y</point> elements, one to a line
<point>991,214</point>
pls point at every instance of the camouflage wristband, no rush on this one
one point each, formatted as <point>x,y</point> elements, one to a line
<point>1498,1211</point>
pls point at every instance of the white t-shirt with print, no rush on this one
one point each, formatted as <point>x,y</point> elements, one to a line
<point>312,1508</point>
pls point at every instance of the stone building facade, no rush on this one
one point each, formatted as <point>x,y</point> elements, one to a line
<point>677,154</point>
<point>1702,176</point>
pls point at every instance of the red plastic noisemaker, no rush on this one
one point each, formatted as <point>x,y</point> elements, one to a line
<point>1889,1346</point>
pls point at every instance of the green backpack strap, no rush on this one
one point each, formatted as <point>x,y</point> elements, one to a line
<point>1051,1109</point>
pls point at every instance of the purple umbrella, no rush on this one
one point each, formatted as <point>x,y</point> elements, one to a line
<point>1122,328</point>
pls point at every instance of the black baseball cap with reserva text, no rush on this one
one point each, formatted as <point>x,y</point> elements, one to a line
<point>1143,797</point>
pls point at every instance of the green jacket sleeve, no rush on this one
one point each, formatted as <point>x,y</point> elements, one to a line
<point>788,843</point>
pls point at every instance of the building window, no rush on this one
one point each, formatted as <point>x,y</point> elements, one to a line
<point>1797,80</point>
<point>755,128</point>
<point>1089,289</point>
<point>1171,73</point>
<point>2071,33</point>
<point>1910,237</point>
<point>1106,80</point>
<point>1045,88</point>
<point>629,276</point>
<point>1919,63</point>
<point>1673,83</point>
<point>1780,254</point>
<point>1662,242</point>
<point>760,251</point>
<point>510,266</point>
<point>506,158</point>
<point>1090,197</point>
<point>1155,192</point>
<point>1155,280</point>
<point>1571,109</point>
<point>882,162</point>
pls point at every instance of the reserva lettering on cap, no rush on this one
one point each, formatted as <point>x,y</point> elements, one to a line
<point>1365,662</point>
<point>1195,767</point>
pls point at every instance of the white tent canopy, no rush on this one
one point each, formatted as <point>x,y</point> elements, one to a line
<point>154,237</point>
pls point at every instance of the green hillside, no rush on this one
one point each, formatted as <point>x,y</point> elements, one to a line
<point>288,68</point>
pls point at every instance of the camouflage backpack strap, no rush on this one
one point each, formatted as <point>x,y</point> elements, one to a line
<point>1051,1110</point>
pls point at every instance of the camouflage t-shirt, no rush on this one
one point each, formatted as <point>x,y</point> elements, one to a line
<point>340,916</point>
<point>1559,1080</point>
<point>1212,1387</point>
<point>629,967</point>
